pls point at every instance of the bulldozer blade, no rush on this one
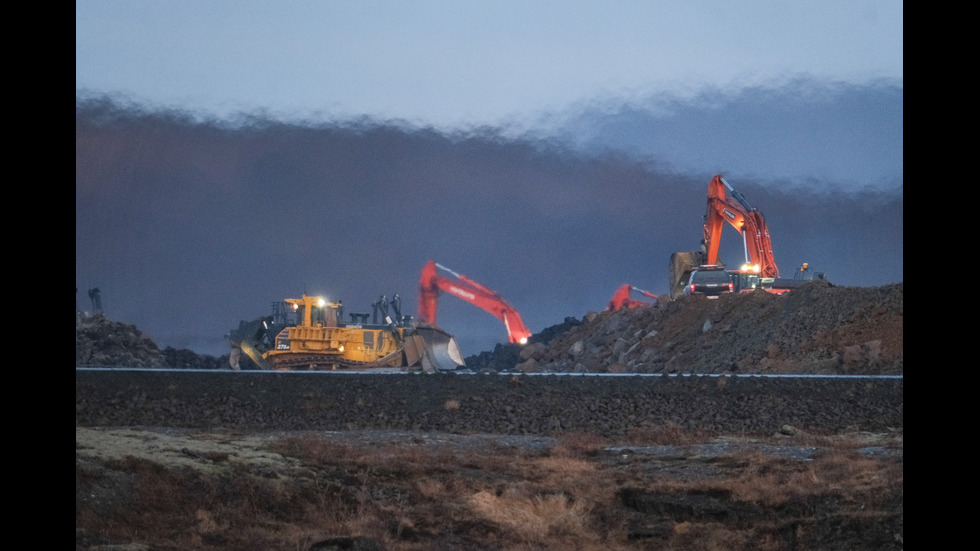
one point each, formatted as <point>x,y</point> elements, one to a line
<point>234,356</point>
<point>255,355</point>
<point>413,347</point>
<point>433,350</point>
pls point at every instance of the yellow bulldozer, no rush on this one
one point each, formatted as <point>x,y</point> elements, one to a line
<point>309,334</point>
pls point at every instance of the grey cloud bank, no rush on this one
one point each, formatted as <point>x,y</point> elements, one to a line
<point>189,226</point>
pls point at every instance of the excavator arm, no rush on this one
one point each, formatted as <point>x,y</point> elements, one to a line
<point>432,283</point>
<point>623,298</point>
<point>734,209</point>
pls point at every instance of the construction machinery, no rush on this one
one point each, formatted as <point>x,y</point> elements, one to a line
<point>746,279</point>
<point>726,205</point>
<point>309,333</point>
<point>460,286</point>
<point>624,299</point>
<point>805,273</point>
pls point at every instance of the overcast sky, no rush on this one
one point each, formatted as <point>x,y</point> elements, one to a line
<point>557,138</point>
<point>456,62</point>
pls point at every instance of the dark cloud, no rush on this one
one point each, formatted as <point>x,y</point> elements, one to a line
<point>802,129</point>
<point>189,226</point>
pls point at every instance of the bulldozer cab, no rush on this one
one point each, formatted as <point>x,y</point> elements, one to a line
<point>316,311</point>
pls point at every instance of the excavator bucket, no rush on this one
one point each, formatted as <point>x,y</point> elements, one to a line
<point>681,266</point>
<point>433,350</point>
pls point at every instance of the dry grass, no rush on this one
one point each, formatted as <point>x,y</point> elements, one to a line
<point>539,519</point>
<point>575,443</point>
<point>762,479</point>
<point>667,434</point>
<point>418,496</point>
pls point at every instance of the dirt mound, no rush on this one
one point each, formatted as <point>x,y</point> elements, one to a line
<point>101,342</point>
<point>816,329</point>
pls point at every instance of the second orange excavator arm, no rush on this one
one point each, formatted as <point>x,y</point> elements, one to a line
<point>749,222</point>
<point>432,283</point>
<point>623,298</point>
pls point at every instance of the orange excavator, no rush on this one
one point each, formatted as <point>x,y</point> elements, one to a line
<point>725,204</point>
<point>624,299</point>
<point>432,282</point>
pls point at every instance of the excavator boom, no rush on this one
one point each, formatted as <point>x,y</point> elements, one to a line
<point>432,283</point>
<point>725,205</point>
<point>623,298</point>
<point>735,210</point>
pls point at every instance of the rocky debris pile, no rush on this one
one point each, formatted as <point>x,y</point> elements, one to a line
<point>816,329</point>
<point>491,404</point>
<point>101,342</point>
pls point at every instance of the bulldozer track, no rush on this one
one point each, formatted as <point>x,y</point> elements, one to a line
<point>330,362</point>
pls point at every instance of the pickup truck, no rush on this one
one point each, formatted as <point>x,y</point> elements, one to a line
<point>710,281</point>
